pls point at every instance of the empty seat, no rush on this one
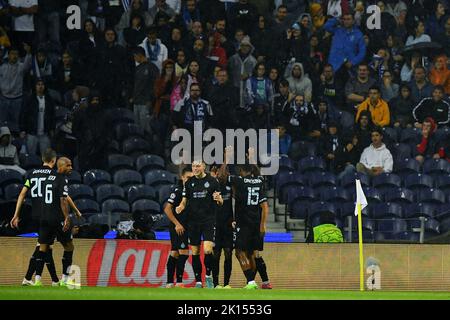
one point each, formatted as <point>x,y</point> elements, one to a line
<point>135,147</point>
<point>286,164</point>
<point>30,161</point>
<point>61,113</point>
<point>392,225</point>
<point>140,191</point>
<point>348,181</point>
<point>399,195</point>
<point>125,178</point>
<point>444,226</point>
<point>407,236</point>
<point>321,179</point>
<point>148,162</point>
<point>315,221</point>
<point>334,194</point>
<point>443,183</point>
<point>387,180</point>
<point>442,211</point>
<point>119,161</point>
<point>121,115</point>
<point>367,224</point>
<point>96,177</point>
<point>74,177</point>
<point>432,226</point>
<point>390,135</point>
<point>115,205</point>
<point>299,209</point>
<point>300,193</point>
<point>312,163</point>
<point>286,180</point>
<point>302,149</point>
<point>126,130</point>
<point>407,166</point>
<point>111,219</point>
<point>318,207</point>
<point>436,166</point>
<point>372,195</point>
<point>87,206</point>
<point>415,210</point>
<point>145,206</point>
<point>109,191</point>
<point>348,209</point>
<point>430,196</point>
<point>79,191</point>
<point>416,181</point>
<point>12,191</point>
<point>159,177</point>
<point>400,151</point>
<point>8,176</point>
<point>442,134</point>
<point>386,210</point>
<point>409,135</point>
<point>164,192</point>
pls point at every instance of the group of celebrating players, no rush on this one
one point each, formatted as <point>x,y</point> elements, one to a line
<point>201,207</point>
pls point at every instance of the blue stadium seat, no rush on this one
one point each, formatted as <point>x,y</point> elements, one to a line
<point>321,179</point>
<point>399,195</point>
<point>302,149</point>
<point>12,191</point>
<point>442,211</point>
<point>299,209</point>
<point>80,191</point>
<point>288,180</point>
<point>367,224</point>
<point>331,194</point>
<point>109,191</point>
<point>119,161</point>
<point>372,195</point>
<point>115,205</point>
<point>8,176</point>
<point>430,196</point>
<point>125,178</point>
<point>286,164</point>
<point>114,147</point>
<point>96,177</point>
<point>392,225</point>
<point>386,210</point>
<point>30,161</point>
<point>164,192</point>
<point>87,206</point>
<point>409,135</point>
<point>348,181</point>
<point>315,221</point>
<point>121,115</point>
<point>155,178</point>
<point>407,236</point>
<point>387,180</point>
<point>127,130</point>
<point>400,151</point>
<point>348,209</point>
<point>135,147</point>
<point>1,194</point>
<point>148,162</point>
<point>419,181</point>
<point>415,210</point>
<point>443,183</point>
<point>445,226</point>
<point>318,207</point>
<point>390,135</point>
<point>407,166</point>
<point>346,120</point>
<point>105,219</point>
<point>311,164</point>
<point>74,177</point>
<point>432,226</point>
<point>146,206</point>
<point>436,166</point>
<point>300,193</point>
<point>140,191</point>
<point>442,134</point>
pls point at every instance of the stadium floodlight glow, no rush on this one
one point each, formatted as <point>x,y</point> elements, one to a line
<point>213,152</point>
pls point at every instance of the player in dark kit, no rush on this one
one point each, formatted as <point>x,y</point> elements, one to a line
<point>201,196</point>
<point>178,232</point>
<point>225,234</point>
<point>250,198</point>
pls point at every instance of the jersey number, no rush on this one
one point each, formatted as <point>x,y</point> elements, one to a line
<point>253,196</point>
<point>48,194</point>
<point>36,190</point>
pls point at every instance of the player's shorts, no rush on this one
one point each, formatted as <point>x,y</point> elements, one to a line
<point>225,237</point>
<point>48,232</point>
<point>178,242</point>
<point>197,230</point>
<point>248,237</point>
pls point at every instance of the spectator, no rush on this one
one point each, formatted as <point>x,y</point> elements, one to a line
<point>38,119</point>
<point>68,74</point>
<point>176,43</point>
<point>306,26</point>
<point>137,9</point>
<point>178,93</point>
<point>330,89</point>
<point>259,88</point>
<point>163,88</point>
<point>161,6</point>
<point>285,139</point>
<point>435,107</point>
<point>241,66</point>
<point>420,86</point>
<point>444,39</point>
<point>9,158</point>
<point>396,7</point>
<point>347,156</point>
<point>23,13</point>
<point>244,15</point>
<point>48,21</point>
<point>196,32</point>
<point>190,13</point>
<point>401,108</point>
<point>381,62</point>
<point>320,119</point>
<point>192,109</point>
<point>280,22</point>
<point>262,40</point>
<point>281,104</point>
<point>357,89</point>
<point>299,113</point>
<point>411,63</point>
<point>444,150</point>
<point>145,75</point>
<point>41,68</point>
<point>427,144</point>
<point>87,48</point>
<point>296,46</point>
<point>135,33</point>
<point>379,109</point>
<point>375,159</point>
<point>198,54</point>
<point>326,231</point>
<point>294,8</point>
<point>348,48</point>
<point>299,82</point>
<point>330,144</point>
<point>389,89</point>
<point>258,118</point>
<point>436,22</point>
<point>215,51</point>
<point>419,34</point>
<point>274,76</point>
<point>316,55</point>
<point>11,86</point>
<point>193,75</point>
<point>440,74</point>
<point>318,16</point>
<point>97,10</point>
<point>363,129</point>
<point>181,63</point>
<point>155,51</point>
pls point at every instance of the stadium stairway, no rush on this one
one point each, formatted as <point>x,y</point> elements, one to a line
<point>296,226</point>
<point>274,222</point>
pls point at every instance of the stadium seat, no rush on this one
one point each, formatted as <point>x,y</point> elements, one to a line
<point>109,191</point>
<point>115,205</point>
<point>442,134</point>
<point>348,209</point>
<point>300,193</point>
<point>331,194</point>
<point>387,180</point>
<point>436,166</point>
<point>318,207</point>
<point>121,115</point>
<point>111,219</point>
<point>288,180</point>
<point>419,181</point>
<point>443,183</point>
<point>315,221</point>
<point>74,177</point>
<point>392,225</point>
<point>311,164</point>
<point>77,221</point>
<point>399,195</point>
<point>164,192</point>
<point>442,211</point>
<point>155,178</point>
<point>299,209</point>
<point>372,195</point>
<point>134,147</point>
<point>415,210</point>
<point>432,226</point>
<point>386,210</point>
<point>409,135</point>
<point>321,179</point>
<point>445,226</point>
<point>80,191</point>
<point>407,166</point>
<point>148,162</point>
<point>1,194</point>
<point>12,191</point>
<point>301,149</point>
<point>400,151</point>
<point>114,147</point>
<point>126,177</point>
<point>367,224</point>
<point>87,206</point>
<point>430,196</point>
<point>390,135</point>
<point>146,206</point>
<point>407,236</point>
<point>348,181</point>
<point>368,236</point>
<point>346,120</point>
<point>140,191</point>
<point>119,161</point>
<point>30,161</point>
<point>96,177</point>
<point>8,176</point>
<point>127,130</point>
<point>286,164</point>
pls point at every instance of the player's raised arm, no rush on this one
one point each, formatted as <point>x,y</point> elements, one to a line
<point>223,172</point>
<point>20,200</point>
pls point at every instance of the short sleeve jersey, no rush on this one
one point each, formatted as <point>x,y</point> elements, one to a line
<point>55,188</point>
<point>224,213</point>
<point>35,183</point>
<point>201,207</point>
<point>175,199</point>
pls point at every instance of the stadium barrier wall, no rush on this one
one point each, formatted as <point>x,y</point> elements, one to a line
<point>290,266</point>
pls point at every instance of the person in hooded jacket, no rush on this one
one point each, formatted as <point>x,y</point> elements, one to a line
<point>363,129</point>
<point>427,146</point>
<point>299,82</point>
<point>330,144</point>
<point>401,108</point>
<point>9,158</point>
<point>376,158</point>
<point>299,115</point>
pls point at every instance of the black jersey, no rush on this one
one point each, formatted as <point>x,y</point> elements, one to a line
<point>249,193</point>
<point>35,183</point>
<point>224,213</point>
<point>175,199</point>
<point>201,207</point>
<point>54,188</point>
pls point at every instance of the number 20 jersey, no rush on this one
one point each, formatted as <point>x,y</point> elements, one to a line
<point>248,193</point>
<point>35,183</point>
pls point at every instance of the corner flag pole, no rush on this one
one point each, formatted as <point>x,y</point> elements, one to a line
<point>361,255</point>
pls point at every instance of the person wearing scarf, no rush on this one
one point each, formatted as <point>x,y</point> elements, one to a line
<point>155,51</point>
<point>41,68</point>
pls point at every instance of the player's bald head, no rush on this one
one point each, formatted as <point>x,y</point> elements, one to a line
<point>63,161</point>
<point>64,165</point>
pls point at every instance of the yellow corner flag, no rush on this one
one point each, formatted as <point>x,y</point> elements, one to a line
<point>361,203</point>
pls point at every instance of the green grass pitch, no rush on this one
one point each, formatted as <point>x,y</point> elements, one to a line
<point>115,293</point>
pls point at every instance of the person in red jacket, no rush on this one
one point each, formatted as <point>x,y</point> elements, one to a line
<point>428,145</point>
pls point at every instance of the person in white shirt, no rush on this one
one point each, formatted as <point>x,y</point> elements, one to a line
<point>376,158</point>
<point>23,12</point>
<point>155,51</point>
<point>419,34</point>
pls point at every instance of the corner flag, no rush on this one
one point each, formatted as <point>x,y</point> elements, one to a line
<point>361,203</point>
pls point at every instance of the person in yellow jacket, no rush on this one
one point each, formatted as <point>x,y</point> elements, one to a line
<point>378,108</point>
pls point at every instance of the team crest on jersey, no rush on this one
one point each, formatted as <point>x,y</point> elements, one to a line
<point>206,184</point>
<point>172,196</point>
